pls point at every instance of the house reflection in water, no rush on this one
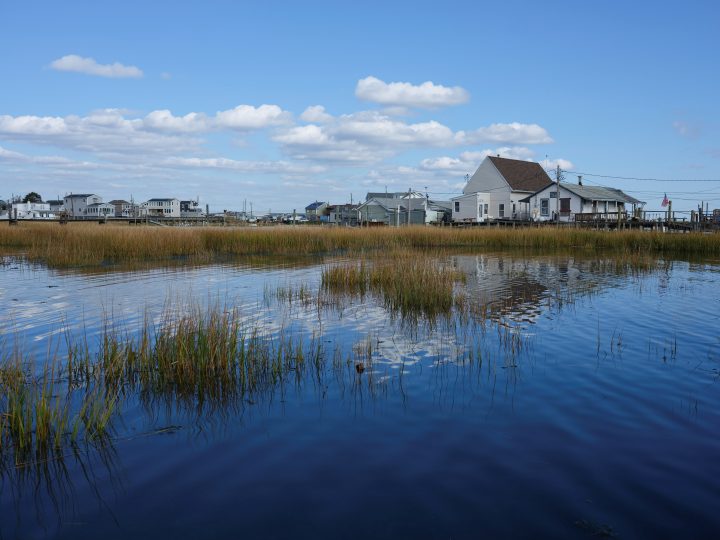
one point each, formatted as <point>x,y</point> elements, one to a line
<point>521,288</point>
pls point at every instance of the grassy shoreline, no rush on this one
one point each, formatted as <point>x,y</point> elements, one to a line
<point>88,245</point>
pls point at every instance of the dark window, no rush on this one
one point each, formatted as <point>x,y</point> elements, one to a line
<point>457,206</point>
<point>545,207</point>
<point>501,210</point>
<point>565,206</point>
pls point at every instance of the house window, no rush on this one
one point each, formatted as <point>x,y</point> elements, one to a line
<point>486,209</point>
<point>457,206</point>
<point>480,209</point>
<point>565,206</point>
<point>501,210</point>
<point>545,207</point>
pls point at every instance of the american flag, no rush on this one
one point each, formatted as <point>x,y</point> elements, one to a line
<point>665,201</point>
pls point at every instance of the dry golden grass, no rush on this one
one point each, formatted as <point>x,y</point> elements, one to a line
<point>91,244</point>
<point>409,284</point>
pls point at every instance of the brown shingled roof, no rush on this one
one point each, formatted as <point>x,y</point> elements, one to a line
<point>522,175</point>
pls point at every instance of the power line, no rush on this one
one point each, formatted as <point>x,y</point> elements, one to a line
<point>646,179</point>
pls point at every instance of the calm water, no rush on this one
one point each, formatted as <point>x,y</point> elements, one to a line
<point>604,420</point>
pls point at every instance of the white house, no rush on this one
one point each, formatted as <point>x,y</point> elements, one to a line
<point>124,208</point>
<point>57,206</point>
<point>76,204</point>
<point>161,208</point>
<point>575,202</point>
<point>100,210</point>
<point>30,210</point>
<point>501,184</point>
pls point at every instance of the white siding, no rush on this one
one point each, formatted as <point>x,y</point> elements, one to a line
<point>488,181</point>
<point>466,208</point>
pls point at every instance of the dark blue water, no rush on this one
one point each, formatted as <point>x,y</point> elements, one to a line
<point>603,423</point>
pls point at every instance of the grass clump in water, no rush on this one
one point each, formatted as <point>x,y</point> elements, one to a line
<point>408,284</point>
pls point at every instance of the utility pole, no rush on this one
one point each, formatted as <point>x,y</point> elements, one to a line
<point>408,206</point>
<point>558,177</point>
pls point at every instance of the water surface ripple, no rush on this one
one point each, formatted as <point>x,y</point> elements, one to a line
<point>604,422</point>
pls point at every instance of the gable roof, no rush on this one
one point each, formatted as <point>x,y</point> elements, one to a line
<point>389,204</point>
<point>377,195</point>
<point>521,175</point>
<point>593,193</point>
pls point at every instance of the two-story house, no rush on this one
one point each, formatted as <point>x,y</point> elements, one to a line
<point>497,190</point>
<point>76,204</point>
<point>161,208</point>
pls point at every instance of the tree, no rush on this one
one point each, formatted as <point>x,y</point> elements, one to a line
<point>32,197</point>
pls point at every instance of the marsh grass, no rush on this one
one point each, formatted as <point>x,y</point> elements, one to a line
<point>408,284</point>
<point>88,244</point>
<point>204,361</point>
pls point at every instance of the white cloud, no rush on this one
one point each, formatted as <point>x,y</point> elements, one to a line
<point>370,136</point>
<point>310,135</point>
<point>245,117</point>
<point>564,164</point>
<point>366,136</point>
<point>315,113</point>
<point>103,131</point>
<point>467,162</point>
<point>265,167</point>
<point>32,125</point>
<point>376,128</point>
<point>163,120</point>
<point>687,129</point>
<point>425,96</point>
<point>10,155</point>
<point>79,64</point>
<point>514,133</point>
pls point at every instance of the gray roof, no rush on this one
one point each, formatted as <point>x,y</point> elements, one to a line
<point>393,195</point>
<point>80,195</point>
<point>387,203</point>
<point>163,199</point>
<point>440,205</point>
<point>594,193</point>
<point>600,193</point>
<point>118,201</point>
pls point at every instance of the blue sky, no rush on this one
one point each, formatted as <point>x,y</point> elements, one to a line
<point>283,103</point>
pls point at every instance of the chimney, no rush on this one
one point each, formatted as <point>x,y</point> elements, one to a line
<point>579,180</point>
